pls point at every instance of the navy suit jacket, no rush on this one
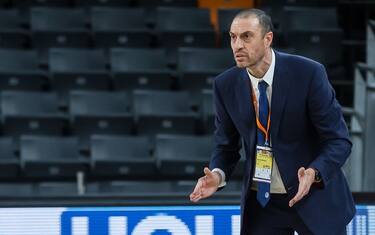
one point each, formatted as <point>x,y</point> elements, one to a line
<point>307,130</point>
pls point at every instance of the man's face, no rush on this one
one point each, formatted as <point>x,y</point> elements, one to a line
<point>248,41</point>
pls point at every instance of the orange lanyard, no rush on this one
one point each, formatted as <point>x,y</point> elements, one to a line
<point>259,124</point>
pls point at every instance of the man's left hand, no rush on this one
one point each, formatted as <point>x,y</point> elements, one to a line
<point>306,178</point>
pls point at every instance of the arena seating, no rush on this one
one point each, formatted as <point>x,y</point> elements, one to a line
<point>121,90</point>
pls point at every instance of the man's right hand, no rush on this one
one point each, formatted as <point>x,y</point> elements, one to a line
<point>206,185</point>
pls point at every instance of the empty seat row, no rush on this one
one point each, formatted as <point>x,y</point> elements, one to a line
<point>142,112</point>
<point>316,37</point>
<point>129,27</point>
<point>122,19</point>
<point>277,6</point>
<point>130,68</point>
<point>145,112</point>
<point>180,156</point>
<point>314,32</point>
<point>110,27</point>
<point>121,69</point>
<point>107,3</point>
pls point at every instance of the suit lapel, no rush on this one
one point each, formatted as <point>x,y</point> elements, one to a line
<point>279,93</point>
<point>244,95</point>
<point>280,89</point>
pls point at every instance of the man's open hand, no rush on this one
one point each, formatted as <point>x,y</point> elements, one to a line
<point>306,178</point>
<point>206,185</point>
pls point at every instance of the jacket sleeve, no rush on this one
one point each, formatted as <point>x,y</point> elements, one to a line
<point>227,142</point>
<point>327,118</point>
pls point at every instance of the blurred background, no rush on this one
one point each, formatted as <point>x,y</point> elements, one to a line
<point>109,102</point>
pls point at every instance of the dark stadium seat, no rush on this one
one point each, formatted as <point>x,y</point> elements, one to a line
<point>163,112</point>
<point>102,3</point>
<point>51,157</point>
<point>182,156</point>
<point>12,35</point>
<point>9,163</point>
<point>14,190</point>
<point>31,113</point>
<point>78,69</point>
<point>177,27</point>
<point>127,188</point>
<point>57,27</point>
<point>207,111</point>
<point>167,3</point>
<point>119,27</point>
<point>63,27</point>
<point>309,18</point>
<point>55,189</point>
<point>99,113</point>
<point>19,71</point>
<point>139,69</point>
<point>309,3</point>
<point>314,33</point>
<point>121,156</point>
<point>323,46</point>
<point>40,3</point>
<point>276,7</point>
<point>198,66</point>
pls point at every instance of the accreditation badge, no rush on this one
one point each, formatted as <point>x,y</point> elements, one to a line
<point>263,164</point>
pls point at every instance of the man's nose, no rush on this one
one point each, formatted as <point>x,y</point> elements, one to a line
<point>237,44</point>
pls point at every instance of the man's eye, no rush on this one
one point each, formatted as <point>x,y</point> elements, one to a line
<point>246,37</point>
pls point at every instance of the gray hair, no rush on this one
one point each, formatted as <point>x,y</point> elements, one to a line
<point>264,19</point>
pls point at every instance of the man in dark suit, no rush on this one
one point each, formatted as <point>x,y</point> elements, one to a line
<point>284,109</point>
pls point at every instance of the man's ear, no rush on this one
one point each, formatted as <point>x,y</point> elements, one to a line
<point>268,37</point>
